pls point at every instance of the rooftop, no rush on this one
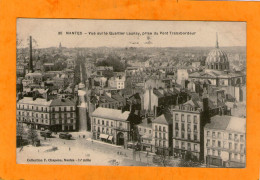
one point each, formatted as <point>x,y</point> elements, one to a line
<point>229,123</point>
<point>113,114</point>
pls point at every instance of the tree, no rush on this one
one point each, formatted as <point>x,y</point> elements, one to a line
<point>20,130</point>
<point>32,136</point>
<point>162,159</point>
<point>20,133</point>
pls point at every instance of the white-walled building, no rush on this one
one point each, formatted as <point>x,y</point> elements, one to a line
<point>224,141</point>
<point>55,115</point>
<point>110,125</point>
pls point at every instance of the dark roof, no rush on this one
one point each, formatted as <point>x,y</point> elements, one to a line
<point>62,102</point>
<point>157,93</point>
<point>145,123</point>
<point>218,122</point>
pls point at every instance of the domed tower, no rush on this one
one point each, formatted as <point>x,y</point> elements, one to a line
<point>217,59</point>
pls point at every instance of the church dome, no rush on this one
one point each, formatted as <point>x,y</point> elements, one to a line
<point>217,59</point>
<point>216,55</point>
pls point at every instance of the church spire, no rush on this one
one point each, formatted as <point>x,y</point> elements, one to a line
<point>217,40</point>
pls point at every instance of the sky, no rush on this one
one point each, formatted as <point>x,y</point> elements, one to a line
<point>45,33</point>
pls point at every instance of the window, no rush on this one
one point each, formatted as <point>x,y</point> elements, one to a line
<point>107,123</point>
<point>177,126</point>
<point>230,156</point>
<point>164,129</point>
<point>189,127</point>
<point>182,135</point>
<point>213,143</point>
<point>236,137</point>
<point>195,147</point>
<point>98,121</point>
<point>159,128</point>
<point>155,134</point>
<point>176,117</point>
<point>160,135</point>
<point>213,134</point>
<point>195,127</point>
<point>219,153</point>
<point>144,130</point>
<point>189,136</point>
<point>102,122</point>
<point>189,147</point>
<point>177,144</point>
<point>241,138</point>
<point>182,117</point>
<point>195,137</point>
<point>241,147</point>
<point>219,143</point>
<point>163,143</point>
<point>41,115</point>
<point>208,151</point>
<point>208,142</point>
<point>150,131</point>
<point>230,136</point>
<point>195,119</point>
<point>182,145</point>
<point>230,145</point>
<point>188,118</point>
<point>208,133</point>
<point>71,108</point>
<point>219,135</point>
<point>155,127</point>
<point>235,146</point>
<point>176,134</point>
<point>182,127</point>
<point>214,152</point>
<point>164,137</point>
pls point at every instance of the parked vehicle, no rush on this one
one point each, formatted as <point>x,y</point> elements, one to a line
<point>46,134</point>
<point>65,136</point>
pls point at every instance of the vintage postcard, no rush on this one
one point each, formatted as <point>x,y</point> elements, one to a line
<point>131,93</point>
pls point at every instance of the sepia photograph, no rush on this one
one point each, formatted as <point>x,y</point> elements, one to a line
<point>131,93</point>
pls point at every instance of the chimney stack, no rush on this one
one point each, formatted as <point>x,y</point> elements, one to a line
<point>31,61</point>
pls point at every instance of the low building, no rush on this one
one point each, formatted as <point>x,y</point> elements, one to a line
<point>117,82</point>
<point>224,141</point>
<point>55,115</point>
<point>111,125</point>
<point>162,135</point>
<point>146,134</point>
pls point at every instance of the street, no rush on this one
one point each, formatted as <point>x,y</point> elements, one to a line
<point>81,148</point>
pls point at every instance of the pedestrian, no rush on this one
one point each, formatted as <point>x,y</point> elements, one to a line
<point>69,148</point>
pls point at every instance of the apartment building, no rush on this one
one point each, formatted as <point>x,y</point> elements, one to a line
<point>55,115</point>
<point>110,125</point>
<point>224,139</point>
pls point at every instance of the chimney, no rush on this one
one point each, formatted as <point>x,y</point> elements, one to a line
<point>155,111</point>
<point>205,104</point>
<point>31,61</point>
